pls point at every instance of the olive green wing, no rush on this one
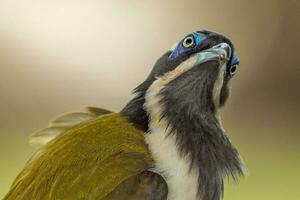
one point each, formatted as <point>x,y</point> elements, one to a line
<point>144,186</point>
<point>64,122</point>
<point>88,161</point>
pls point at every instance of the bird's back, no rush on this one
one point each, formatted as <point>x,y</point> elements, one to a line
<point>87,161</point>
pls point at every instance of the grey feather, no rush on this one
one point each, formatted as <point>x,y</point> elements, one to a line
<point>71,119</point>
<point>96,110</point>
<point>62,123</point>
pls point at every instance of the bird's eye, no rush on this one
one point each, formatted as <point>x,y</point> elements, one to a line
<point>188,42</point>
<point>233,69</point>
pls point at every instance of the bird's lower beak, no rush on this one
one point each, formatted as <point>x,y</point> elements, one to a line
<point>220,52</point>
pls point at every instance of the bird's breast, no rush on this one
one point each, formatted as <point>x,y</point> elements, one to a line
<point>182,180</point>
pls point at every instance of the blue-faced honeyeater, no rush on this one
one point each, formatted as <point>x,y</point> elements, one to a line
<point>166,143</point>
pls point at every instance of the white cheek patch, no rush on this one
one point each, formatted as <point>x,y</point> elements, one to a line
<point>217,93</point>
<point>218,86</point>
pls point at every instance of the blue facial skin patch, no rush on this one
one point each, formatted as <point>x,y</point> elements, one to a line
<point>198,38</point>
<point>234,60</point>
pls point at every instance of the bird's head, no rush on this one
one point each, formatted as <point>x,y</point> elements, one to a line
<point>195,72</point>
<point>192,76</point>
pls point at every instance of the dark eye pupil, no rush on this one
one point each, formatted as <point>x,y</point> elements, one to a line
<point>233,69</point>
<point>189,41</point>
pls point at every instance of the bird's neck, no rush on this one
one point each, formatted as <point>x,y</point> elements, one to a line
<point>193,136</point>
<point>188,143</point>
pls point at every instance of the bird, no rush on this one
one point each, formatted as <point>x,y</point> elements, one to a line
<point>167,143</point>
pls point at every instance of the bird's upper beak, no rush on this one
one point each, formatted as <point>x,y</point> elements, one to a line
<point>221,52</point>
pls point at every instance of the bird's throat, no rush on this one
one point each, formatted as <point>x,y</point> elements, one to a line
<point>184,134</point>
<point>187,142</point>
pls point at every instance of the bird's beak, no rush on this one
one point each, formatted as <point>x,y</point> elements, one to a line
<point>220,52</point>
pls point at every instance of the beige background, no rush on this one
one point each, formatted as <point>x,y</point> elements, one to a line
<point>58,55</point>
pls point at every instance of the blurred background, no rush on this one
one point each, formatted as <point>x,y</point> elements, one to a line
<point>59,55</point>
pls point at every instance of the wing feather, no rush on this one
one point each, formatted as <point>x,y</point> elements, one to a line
<point>62,123</point>
<point>144,186</point>
<point>88,161</point>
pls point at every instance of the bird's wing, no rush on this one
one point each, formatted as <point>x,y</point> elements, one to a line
<point>144,186</point>
<point>88,161</point>
<point>62,123</point>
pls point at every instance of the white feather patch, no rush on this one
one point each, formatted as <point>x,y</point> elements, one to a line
<point>217,91</point>
<point>181,179</point>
